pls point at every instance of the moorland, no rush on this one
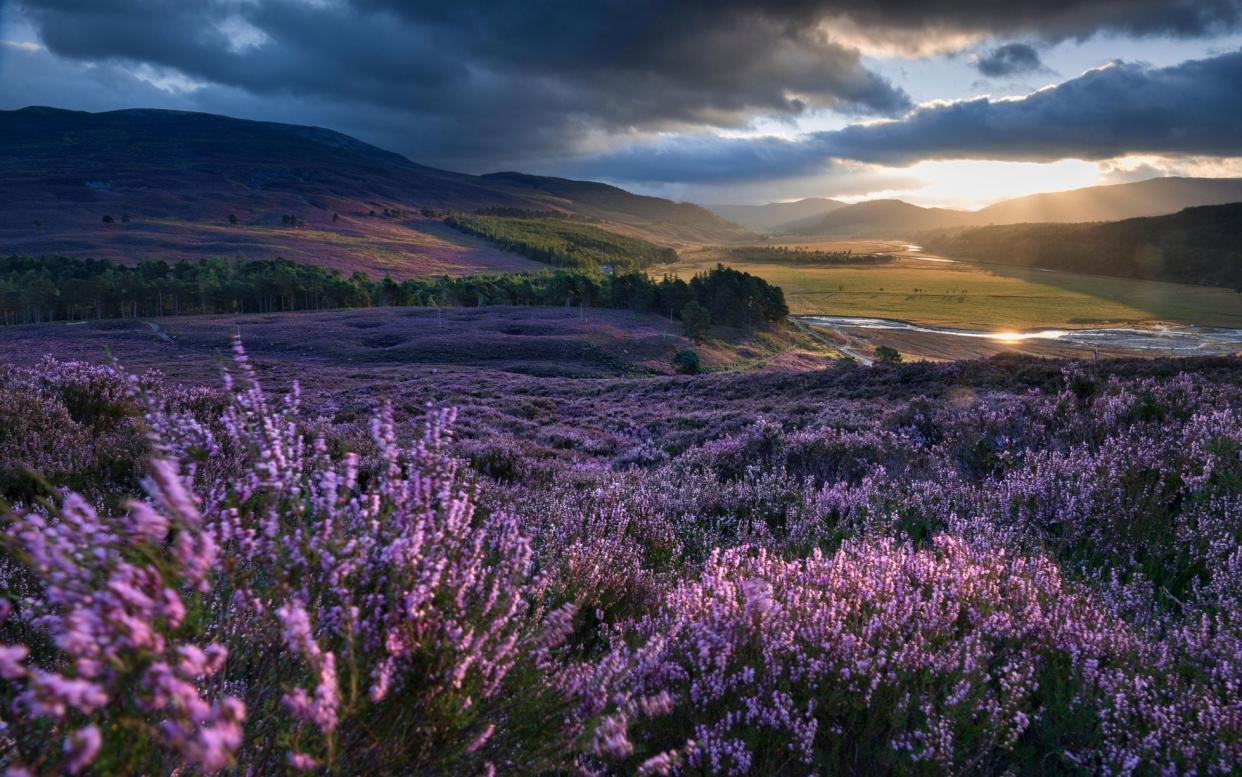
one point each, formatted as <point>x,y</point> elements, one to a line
<point>562,493</point>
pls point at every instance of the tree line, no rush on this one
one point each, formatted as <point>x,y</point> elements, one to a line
<point>73,289</point>
<point>795,255</point>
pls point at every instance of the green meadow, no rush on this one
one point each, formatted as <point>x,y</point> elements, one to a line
<point>982,297</point>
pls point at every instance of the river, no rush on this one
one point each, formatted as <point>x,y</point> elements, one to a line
<point>1170,340</point>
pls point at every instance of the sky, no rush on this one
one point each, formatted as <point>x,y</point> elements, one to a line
<point>953,104</point>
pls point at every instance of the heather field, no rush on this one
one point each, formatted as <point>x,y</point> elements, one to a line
<point>340,545</point>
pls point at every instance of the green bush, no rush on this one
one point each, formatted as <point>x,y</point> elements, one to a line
<point>887,355</point>
<point>686,361</point>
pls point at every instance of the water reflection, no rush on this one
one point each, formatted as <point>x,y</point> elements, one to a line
<point>1183,340</point>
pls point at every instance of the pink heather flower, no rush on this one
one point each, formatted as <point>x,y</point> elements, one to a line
<point>165,485</point>
<point>193,661</point>
<point>11,658</point>
<point>216,655</point>
<point>611,739</point>
<point>482,738</point>
<point>52,695</point>
<point>81,747</point>
<point>145,524</point>
<point>657,704</point>
<point>661,764</point>
<point>301,762</point>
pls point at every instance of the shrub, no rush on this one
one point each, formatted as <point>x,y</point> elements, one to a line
<point>686,361</point>
<point>373,615</point>
<point>887,355</point>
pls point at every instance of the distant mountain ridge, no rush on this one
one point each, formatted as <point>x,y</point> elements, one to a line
<point>880,218</point>
<point>144,183</point>
<point>1201,245</point>
<point>674,220</point>
<point>1153,197</point>
<point>899,219</point>
<point>762,218</point>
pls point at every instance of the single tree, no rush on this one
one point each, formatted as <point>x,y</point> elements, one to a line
<point>887,355</point>
<point>696,319</point>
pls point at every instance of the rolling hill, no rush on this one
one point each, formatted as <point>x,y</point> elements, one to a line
<point>1153,197</point>
<point>173,185</point>
<point>1200,245</point>
<point>877,218</point>
<point>899,219</point>
<point>763,218</point>
<point>650,217</point>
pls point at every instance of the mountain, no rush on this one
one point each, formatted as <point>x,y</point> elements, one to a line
<point>173,185</point>
<point>764,218</point>
<point>655,216</point>
<point>1200,245</point>
<point>879,218</point>
<point>1153,197</point>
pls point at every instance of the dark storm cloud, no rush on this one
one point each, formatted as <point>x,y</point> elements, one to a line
<point>1191,108</point>
<point>1008,60</point>
<point>477,83</point>
<point>1051,20</point>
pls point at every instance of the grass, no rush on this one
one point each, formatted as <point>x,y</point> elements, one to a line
<point>980,297</point>
<point>562,243</point>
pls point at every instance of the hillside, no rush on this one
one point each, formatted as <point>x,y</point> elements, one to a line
<point>1197,245</point>
<point>1154,197</point>
<point>172,185</point>
<point>771,216</point>
<point>648,216</point>
<point>878,218</point>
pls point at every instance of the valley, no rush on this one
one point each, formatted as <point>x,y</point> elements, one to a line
<point>620,389</point>
<point>925,289</point>
<point>922,287</point>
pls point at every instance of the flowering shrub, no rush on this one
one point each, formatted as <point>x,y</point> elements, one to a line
<point>1038,576</point>
<point>883,657</point>
<point>365,611</point>
<point>113,666</point>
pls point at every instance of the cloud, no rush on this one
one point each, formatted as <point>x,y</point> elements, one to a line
<point>1194,108</point>
<point>909,23</point>
<point>1123,108</point>
<point>1009,60</point>
<point>475,82</point>
<point>479,84</point>
<point>1140,168</point>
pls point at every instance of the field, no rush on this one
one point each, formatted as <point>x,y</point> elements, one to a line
<point>592,566</point>
<point>978,296</point>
